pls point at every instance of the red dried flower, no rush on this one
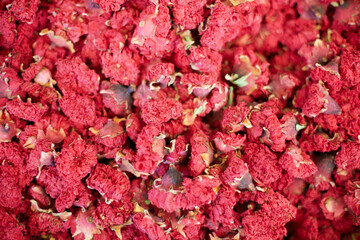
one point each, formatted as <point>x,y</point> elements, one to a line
<point>223,26</point>
<point>133,126</point>
<point>76,160</point>
<point>8,35</point>
<point>188,14</point>
<point>204,186</point>
<point>235,118</point>
<point>160,73</point>
<point>349,63</point>
<point>315,99</point>
<point>116,213</point>
<point>15,174</point>
<point>169,201</point>
<point>178,150</point>
<point>333,205</point>
<point>24,10</point>
<point>161,110</point>
<point>113,5</point>
<point>111,134</point>
<point>109,181</point>
<point>205,60</point>
<point>237,173</point>
<point>150,149</point>
<point>26,110</point>
<point>221,211</point>
<point>275,212</point>
<point>79,109</point>
<point>152,36</point>
<point>348,157</point>
<point>147,225</point>
<point>297,163</point>
<point>42,223</point>
<point>10,228</point>
<point>73,75</point>
<point>201,153</point>
<point>121,67</point>
<point>299,32</point>
<point>263,164</point>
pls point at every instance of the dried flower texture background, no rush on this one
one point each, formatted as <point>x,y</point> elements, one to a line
<point>179,119</point>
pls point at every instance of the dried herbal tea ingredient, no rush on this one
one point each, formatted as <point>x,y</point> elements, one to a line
<point>179,119</point>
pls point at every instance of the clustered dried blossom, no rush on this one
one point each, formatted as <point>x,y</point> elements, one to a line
<point>179,119</point>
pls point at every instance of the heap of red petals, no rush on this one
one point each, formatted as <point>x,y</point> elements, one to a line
<point>180,119</point>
